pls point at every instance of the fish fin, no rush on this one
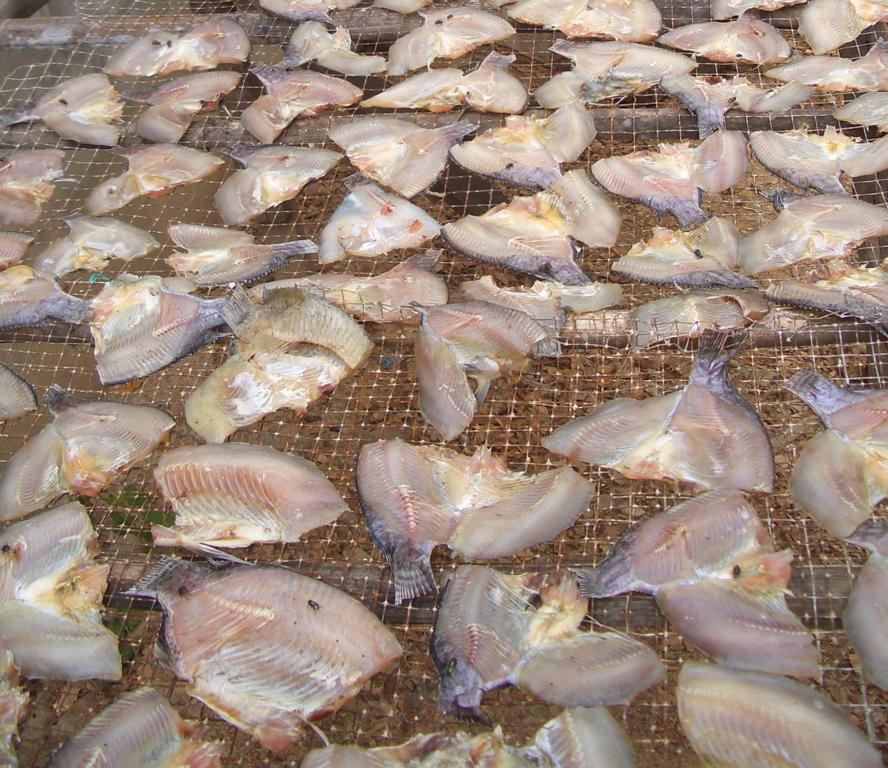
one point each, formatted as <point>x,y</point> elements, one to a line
<point>22,116</point>
<point>241,152</point>
<point>426,260</point>
<point>588,582</point>
<point>58,399</point>
<point>871,535</point>
<point>293,61</point>
<point>821,395</point>
<point>496,60</point>
<point>413,577</point>
<point>157,580</point>
<point>779,198</point>
<point>267,74</point>
<point>354,180</point>
<point>237,308</point>
<point>459,130</point>
<point>481,390</point>
<point>293,248</point>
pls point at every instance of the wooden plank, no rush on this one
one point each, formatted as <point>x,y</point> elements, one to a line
<point>12,9</point>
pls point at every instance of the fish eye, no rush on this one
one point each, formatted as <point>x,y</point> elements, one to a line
<point>509,166</point>
<point>156,42</point>
<point>739,56</point>
<point>111,190</point>
<point>736,571</point>
<point>451,665</point>
<point>5,548</point>
<point>449,16</point>
<point>439,21</point>
<point>169,43</point>
<point>183,591</point>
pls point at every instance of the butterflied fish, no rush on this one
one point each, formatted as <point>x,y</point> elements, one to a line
<point>416,496</point>
<point>217,256</point>
<point>689,435</point>
<point>153,170</point>
<point>13,700</point>
<point>494,630</point>
<point>670,181</point>
<point>606,70</point>
<point>528,151</point>
<point>312,41</point>
<point>26,182</point>
<point>473,340</point>
<point>726,9</point>
<point>203,45</point>
<point>139,730</point>
<point>143,324</point>
<point>397,153</point>
<point>28,298</point>
<point>372,222</point>
<point>748,40</point>
<point>635,20</point>
<point>16,395</point>
<point>811,228</point>
<point>85,109</point>
<point>536,234</point>
<point>50,593</point>
<point>839,475</point>
<point>306,10</point>
<point>754,720</point>
<point>174,104</point>
<point>13,247</point>
<point>401,6</point>
<point>236,494</point>
<point>446,33</point>
<point>390,297</point>
<point>829,24</point>
<point>266,649</point>
<point>703,257</point>
<point>269,177</point>
<point>291,94</point>
<point>869,109</point>
<point>708,98</point>
<point>91,243</point>
<point>83,449</point>
<point>834,73</point>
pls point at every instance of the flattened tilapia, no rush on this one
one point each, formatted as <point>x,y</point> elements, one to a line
<point>726,9</point>
<point>692,435</point>
<point>16,395</point>
<point>13,247</point>
<point>494,630</point>
<point>748,40</point>
<point>306,10</point>
<point>829,24</point>
<point>28,298</point>
<point>414,497</point>
<point>671,180</point>
<point>266,649</point>
<point>312,41</point>
<point>26,182</point>
<point>868,109</point>
<point>13,700</point>
<point>834,73</point>
<point>635,20</point>
<point>398,154</point>
<point>82,450</point>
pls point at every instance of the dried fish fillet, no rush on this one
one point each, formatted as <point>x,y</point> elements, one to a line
<point>829,24</point>
<point>153,170</point>
<point>866,615</point>
<point>834,73</point>
<point>218,256</point>
<point>13,700</point>
<point>748,39</point>
<point>16,395</point>
<point>754,720</point>
<point>494,630</point>
<point>266,649</point>
<point>82,450</point>
<point>689,435</point>
<point>401,6</point>
<point>13,247</point>
<point>269,177</point>
<point>634,20</point>
<point>398,154</point>
<point>26,182</point>
<point>414,497</point>
<point>671,180</point>
<point>312,41</point>
<point>726,9</point>
<point>306,10</point>
<point>28,298</point>
<point>868,109</point>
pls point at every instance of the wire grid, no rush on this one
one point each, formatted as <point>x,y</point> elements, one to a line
<point>381,401</point>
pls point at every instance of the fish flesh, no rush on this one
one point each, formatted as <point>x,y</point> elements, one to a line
<point>91,243</point>
<point>201,46</point>
<point>312,41</point>
<point>401,6</point>
<point>390,297</point>
<point>152,170</point>
<point>235,494</point>
<point>13,247</point>
<point>631,20</point>
<point>26,182</point>
<point>306,10</point>
<point>292,94</point>
<point>671,180</point>
<point>493,630</point>
<point>220,256</point>
<point>527,151</point>
<point>747,39</point>
<point>446,33</point>
<point>834,73</point>
<point>416,496</point>
<point>373,222</point>
<point>828,24</point>
<point>536,234</point>
<point>84,447</point>
<point>689,435</point>
<point>13,700</point>
<point>814,161</point>
<point>709,98</point>
<point>489,88</point>
<point>140,325</point>
<point>28,298</point>
<point>16,396</point>
<point>811,228</point>
<point>266,649</point>
<point>726,9</point>
<point>839,475</point>
<point>85,109</point>
<point>139,730</point>
<point>174,104</point>
<point>701,258</point>
<point>742,719</point>
<point>398,154</point>
<point>473,340</point>
<point>607,70</point>
<point>269,176</point>
<point>868,109</point>
<point>50,597</point>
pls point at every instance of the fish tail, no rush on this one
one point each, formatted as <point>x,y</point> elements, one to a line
<point>285,251</point>
<point>817,391</point>
<point>459,130</point>
<point>22,116</point>
<point>267,74</point>
<point>497,60</point>
<point>871,535</point>
<point>141,96</point>
<point>413,577</point>
<point>292,61</point>
<point>237,308</point>
<point>587,581</point>
<point>170,574</point>
<point>426,260</point>
<point>69,309</point>
<point>57,399</point>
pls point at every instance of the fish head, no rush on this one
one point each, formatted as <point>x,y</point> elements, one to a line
<point>762,570</point>
<point>459,687</point>
<point>112,194</point>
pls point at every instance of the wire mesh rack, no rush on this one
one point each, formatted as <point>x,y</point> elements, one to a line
<point>381,400</point>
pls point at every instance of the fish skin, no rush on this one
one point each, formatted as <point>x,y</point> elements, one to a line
<point>868,109</point>
<point>312,41</point>
<point>260,658</point>
<point>626,20</point>
<point>306,10</point>
<point>747,39</point>
<point>28,298</point>
<point>826,26</point>
<point>16,396</point>
<point>13,247</point>
<point>755,720</point>
<point>13,701</point>
<point>139,730</point>
<point>727,9</point>
<point>832,74</point>
<point>26,182</point>
<point>585,737</point>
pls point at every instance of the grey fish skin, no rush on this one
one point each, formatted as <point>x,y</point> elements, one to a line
<point>27,298</point>
<point>16,396</point>
<point>26,182</point>
<point>13,700</point>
